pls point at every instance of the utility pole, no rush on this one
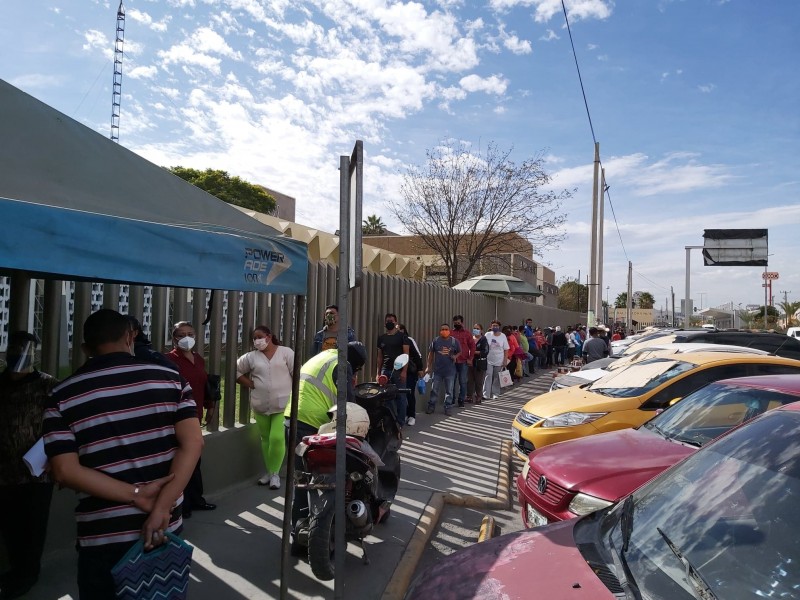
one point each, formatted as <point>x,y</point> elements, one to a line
<point>785,297</point>
<point>591,311</point>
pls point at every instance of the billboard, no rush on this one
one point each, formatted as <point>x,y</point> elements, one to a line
<point>735,247</point>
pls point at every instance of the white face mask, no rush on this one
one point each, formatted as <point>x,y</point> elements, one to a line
<point>186,343</point>
<point>260,343</point>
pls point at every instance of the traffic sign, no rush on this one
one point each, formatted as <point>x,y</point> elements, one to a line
<point>769,275</point>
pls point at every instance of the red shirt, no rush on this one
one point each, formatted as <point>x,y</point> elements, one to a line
<point>467,343</point>
<point>194,373</point>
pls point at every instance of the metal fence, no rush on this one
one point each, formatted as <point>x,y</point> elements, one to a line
<point>420,306</point>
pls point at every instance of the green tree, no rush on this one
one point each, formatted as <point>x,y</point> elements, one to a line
<point>232,190</point>
<point>646,300</point>
<point>467,204</point>
<point>572,295</point>
<point>621,301</point>
<point>790,308</point>
<point>373,225</point>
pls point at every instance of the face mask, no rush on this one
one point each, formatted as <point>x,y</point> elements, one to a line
<point>186,343</point>
<point>476,332</point>
<point>445,333</point>
<point>330,319</point>
<point>496,329</point>
<point>456,326</point>
<point>260,343</point>
<point>390,325</point>
<point>22,362</point>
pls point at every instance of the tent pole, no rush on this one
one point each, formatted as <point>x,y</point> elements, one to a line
<point>300,303</point>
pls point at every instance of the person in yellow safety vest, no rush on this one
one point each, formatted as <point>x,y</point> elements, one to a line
<point>317,395</point>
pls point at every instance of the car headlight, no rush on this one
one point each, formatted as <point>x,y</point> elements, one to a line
<point>583,505</point>
<point>525,469</point>
<point>570,419</point>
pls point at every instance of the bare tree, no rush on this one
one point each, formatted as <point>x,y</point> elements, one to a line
<point>466,204</point>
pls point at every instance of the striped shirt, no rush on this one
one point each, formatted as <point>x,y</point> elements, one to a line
<point>118,414</point>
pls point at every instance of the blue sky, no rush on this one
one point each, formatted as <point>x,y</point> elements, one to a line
<point>694,104</point>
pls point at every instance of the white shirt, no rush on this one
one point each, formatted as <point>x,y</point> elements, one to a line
<point>498,346</point>
<point>272,378</point>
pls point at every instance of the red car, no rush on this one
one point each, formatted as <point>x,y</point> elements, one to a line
<point>576,477</point>
<point>721,524</point>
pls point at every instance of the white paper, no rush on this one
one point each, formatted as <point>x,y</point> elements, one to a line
<point>35,458</point>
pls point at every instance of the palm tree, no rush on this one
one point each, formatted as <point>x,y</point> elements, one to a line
<point>646,300</point>
<point>373,225</point>
<point>790,308</point>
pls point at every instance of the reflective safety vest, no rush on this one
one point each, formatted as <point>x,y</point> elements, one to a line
<point>317,389</point>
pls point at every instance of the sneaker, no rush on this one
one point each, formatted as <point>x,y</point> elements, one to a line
<point>275,482</point>
<point>264,480</point>
<point>430,409</point>
<point>411,421</point>
<point>460,405</point>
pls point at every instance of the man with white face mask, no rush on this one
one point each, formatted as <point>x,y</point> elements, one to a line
<point>192,367</point>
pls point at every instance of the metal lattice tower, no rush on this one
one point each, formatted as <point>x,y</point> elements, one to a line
<point>116,94</point>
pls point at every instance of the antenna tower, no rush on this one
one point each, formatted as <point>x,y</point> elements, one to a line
<point>116,94</point>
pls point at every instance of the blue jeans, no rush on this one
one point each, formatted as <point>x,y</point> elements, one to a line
<point>448,382</point>
<point>461,378</point>
<point>401,400</point>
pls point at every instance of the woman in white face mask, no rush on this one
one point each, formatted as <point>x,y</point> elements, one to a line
<point>267,372</point>
<point>192,367</point>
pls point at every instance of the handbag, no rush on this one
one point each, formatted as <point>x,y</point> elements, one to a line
<point>481,364</point>
<point>505,378</point>
<point>518,369</point>
<point>158,574</point>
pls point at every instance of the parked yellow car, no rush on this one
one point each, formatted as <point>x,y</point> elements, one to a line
<point>630,396</point>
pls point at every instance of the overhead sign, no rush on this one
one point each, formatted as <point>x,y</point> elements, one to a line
<point>735,247</point>
<point>769,275</point>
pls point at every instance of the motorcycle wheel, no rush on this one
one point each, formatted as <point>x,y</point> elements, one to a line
<point>321,544</point>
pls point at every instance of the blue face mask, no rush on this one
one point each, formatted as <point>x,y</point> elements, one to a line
<point>496,329</point>
<point>476,332</point>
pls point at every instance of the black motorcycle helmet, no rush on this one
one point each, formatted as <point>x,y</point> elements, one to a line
<point>356,355</point>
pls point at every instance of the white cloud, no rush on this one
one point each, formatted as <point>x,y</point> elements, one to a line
<point>142,72</point>
<point>516,45</point>
<point>549,36</point>
<point>706,88</point>
<point>544,10</point>
<point>491,85</point>
<point>145,19</point>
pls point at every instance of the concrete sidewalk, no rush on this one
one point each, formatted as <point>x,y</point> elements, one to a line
<point>237,547</point>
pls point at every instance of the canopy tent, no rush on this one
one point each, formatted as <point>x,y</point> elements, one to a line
<point>75,205</point>
<point>498,285</point>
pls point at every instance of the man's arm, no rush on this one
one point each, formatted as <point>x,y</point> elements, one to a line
<point>190,445</point>
<point>380,364</point>
<point>69,472</point>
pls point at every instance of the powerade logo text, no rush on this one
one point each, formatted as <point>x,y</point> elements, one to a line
<point>258,262</point>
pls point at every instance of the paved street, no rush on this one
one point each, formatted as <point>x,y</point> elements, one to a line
<point>237,547</point>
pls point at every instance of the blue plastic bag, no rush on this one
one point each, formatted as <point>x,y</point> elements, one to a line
<point>421,386</point>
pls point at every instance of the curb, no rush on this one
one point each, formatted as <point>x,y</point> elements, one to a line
<point>404,573</point>
<point>487,529</point>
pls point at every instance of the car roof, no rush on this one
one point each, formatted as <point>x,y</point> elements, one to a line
<point>702,357</point>
<point>786,383</point>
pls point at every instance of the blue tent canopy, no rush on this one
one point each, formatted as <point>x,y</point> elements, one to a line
<point>75,205</point>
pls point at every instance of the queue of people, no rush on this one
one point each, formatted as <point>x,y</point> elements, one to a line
<point>136,454</point>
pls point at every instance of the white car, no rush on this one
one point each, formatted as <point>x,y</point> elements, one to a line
<point>589,375</point>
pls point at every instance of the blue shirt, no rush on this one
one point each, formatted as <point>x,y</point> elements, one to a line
<point>444,349</point>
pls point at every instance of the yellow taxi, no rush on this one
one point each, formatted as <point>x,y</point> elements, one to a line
<point>630,396</point>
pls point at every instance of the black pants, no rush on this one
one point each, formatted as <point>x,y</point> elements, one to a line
<point>299,501</point>
<point>411,383</point>
<point>24,510</point>
<point>193,494</point>
<point>94,570</point>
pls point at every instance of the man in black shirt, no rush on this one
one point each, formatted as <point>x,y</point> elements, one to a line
<point>390,345</point>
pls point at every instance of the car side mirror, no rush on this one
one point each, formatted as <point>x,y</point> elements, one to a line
<point>400,362</point>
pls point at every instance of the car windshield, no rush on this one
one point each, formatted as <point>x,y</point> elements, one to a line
<point>640,377</point>
<point>650,340</point>
<point>724,521</point>
<point>714,409</point>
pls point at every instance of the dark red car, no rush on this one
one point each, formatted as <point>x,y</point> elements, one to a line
<point>721,524</point>
<point>580,476</point>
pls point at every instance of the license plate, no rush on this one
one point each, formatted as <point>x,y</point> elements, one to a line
<point>535,518</point>
<point>515,435</point>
